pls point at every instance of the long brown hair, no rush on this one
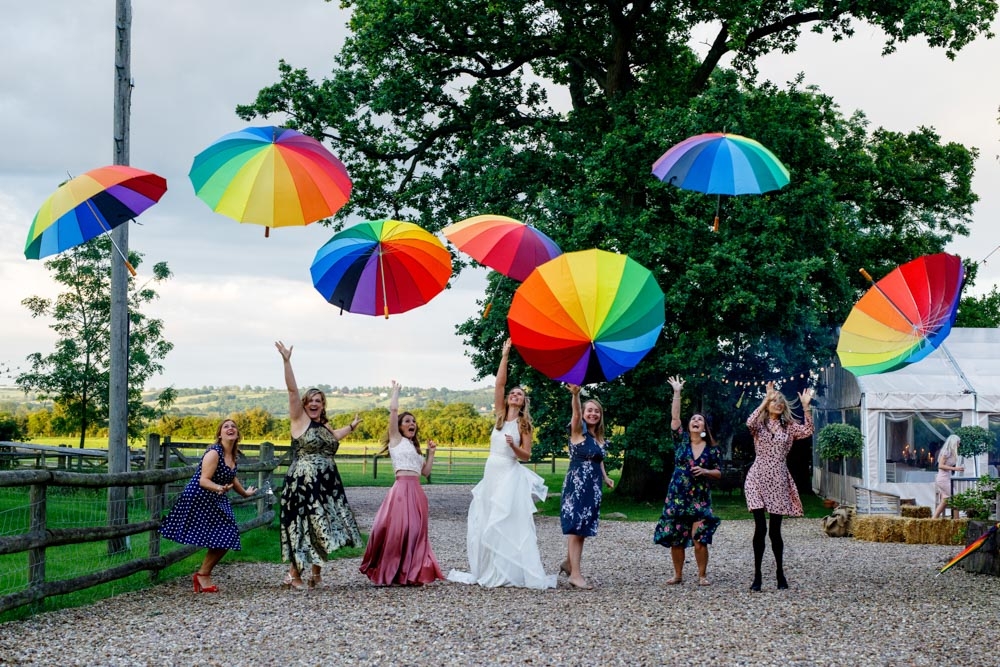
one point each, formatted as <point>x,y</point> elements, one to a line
<point>218,436</point>
<point>322,413</point>
<point>709,438</point>
<point>524,423</point>
<point>599,429</point>
<point>399,422</point>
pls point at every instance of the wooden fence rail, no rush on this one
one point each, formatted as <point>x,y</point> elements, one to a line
<point>160,472</point>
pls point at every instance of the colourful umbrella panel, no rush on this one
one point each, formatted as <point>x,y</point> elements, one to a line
<point>975,545</point>
<point>721,164</point>
<point>381,267</point>
<point>586,316</point>
<point>91,204</point>
<point>904,317</point>
<point>270,176</point>
<point>503,244</point>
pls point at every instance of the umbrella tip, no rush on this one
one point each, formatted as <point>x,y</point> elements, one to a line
<point>267,232</point>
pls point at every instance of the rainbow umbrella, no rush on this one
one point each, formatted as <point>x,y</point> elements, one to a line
<point>904,317</point>
<point>270,176</point>
<point>586,316</point>
<point>978,542</point>
<point>381,267</point>
<point>91,204</point>
<point>717,163</point>
<point>501,243</point>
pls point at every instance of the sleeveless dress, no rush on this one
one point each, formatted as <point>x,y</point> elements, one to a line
<point>582,488</point>
<point>202,517</point>
<point>942,482</point>
<point>769,484</point>
<point>399,549</point>
<point>315,517</point>
<point>689,498</point>
<point>500,538</point>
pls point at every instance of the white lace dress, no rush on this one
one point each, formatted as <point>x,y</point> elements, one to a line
<point>501,540</point>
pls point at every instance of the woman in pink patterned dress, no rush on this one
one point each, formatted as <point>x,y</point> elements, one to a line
<point>769,485</point>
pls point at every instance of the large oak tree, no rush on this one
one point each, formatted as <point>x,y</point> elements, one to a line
<point>553,112</point>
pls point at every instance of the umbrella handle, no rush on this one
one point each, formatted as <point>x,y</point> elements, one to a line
<point>486,311</point>
<point>267,232</point>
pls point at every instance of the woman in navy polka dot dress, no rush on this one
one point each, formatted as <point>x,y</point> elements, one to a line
<point>202,515</point>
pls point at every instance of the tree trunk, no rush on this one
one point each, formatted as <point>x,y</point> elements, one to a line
<point>640,482</point>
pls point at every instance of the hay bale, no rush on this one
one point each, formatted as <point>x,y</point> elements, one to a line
<point>915,511</point>
<point>934,531</point>
<point>877,528</point>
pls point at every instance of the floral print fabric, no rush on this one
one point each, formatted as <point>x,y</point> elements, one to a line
<point>582,489</point>
<point>689,498</point>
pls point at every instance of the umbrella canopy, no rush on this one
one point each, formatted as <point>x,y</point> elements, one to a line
<point>721,164</point>
<point>501,243</point>
<point>90,204</point>
<point>586,316</point>
<point>978,542</point>
<point>270,176</point>
<point>904,317</point>
<point>381,267</point>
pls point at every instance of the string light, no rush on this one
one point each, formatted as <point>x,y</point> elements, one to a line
<point>817,372</point>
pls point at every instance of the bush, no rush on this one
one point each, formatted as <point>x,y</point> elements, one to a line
<point>975,502</point>
<point>839,441</point>
<point>12,429</point>
<point>975,440</point>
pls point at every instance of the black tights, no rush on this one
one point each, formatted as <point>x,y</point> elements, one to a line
<point>777,544</point>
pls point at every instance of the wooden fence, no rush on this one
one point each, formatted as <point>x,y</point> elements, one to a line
<point>163,467</point>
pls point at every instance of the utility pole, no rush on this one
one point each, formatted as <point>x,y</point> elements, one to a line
<point>118,381</point>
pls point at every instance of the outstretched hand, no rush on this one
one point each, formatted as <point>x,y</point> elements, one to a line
<point>805,396</point>
<point>506,347</point>
<point>286,352</point>
<point>677,383</point>
<point>573,389</point>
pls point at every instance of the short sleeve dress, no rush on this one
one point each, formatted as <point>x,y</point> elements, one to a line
<point>582,488</point>
<point>689,498</point>
<point>202,517</point>
<point>769,484</point>
<point>315,517</point>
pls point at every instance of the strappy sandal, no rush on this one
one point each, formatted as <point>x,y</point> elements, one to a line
<point>585,586</point>
<point>317,582</point>
<point>295,584</point>
<point>564,567</point>
<point>674,580</point>
<point>703,581</point>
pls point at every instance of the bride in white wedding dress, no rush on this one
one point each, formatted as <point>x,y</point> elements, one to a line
<point>501,541</point>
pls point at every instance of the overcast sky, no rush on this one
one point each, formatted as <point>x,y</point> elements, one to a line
<point>234,292</point>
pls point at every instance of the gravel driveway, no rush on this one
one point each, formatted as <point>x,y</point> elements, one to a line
<point>850,603</point>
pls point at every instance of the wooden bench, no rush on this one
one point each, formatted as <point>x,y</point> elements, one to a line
<point>870,501</point>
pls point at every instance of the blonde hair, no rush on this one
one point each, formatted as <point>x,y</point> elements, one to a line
<point>949,448</point>
<point>786,414</point>
<point>524,423</point>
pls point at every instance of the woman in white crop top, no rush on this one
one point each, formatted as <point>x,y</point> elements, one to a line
<point>401,522</point>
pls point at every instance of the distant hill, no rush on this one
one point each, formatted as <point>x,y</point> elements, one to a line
<point>225,400</point>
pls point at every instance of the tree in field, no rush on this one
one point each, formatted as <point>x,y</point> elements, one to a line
<point>553,113</point>
<point>980,311</point>
<point>75,375</point>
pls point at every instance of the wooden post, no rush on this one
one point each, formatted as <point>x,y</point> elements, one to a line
<point>152,459</point>
<point>36,555</point>
<point>155,496</point>
<point>118,367</point>
<point>264,477</point>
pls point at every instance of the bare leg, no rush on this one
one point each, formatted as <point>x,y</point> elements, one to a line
<point>701,558</point>
<point>940,509</point>
<point>212,557</point>
<point>574,544</point>
<point>677,556</point>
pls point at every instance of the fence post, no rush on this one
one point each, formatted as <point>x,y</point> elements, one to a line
<point>364,459</point>
<point>553,463</point>
<point>264,477</point>
<point>36,555</point>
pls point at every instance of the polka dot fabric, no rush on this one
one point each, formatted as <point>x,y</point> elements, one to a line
<point>201,517</point>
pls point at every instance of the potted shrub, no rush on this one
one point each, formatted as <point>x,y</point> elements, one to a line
<point>838,442</point>
<point>974,440</point>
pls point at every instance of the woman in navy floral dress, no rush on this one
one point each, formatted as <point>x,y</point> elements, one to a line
<point>202,515</point>
<point>582,489</point>
<point>687,517</point>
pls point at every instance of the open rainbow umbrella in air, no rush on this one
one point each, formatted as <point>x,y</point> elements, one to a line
<point>978,542</point>
<point>904,316</point>
<point>381,267</point>
<point>91,204</point>
<point>586,316</point>
<point>270,176</point>
<point>718,163</point>
<point>504,244</point>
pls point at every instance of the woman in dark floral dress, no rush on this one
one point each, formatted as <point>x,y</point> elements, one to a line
<point>687,517</point>
<point>315,517</point>
<point>202,514</point>
<point>582,489</point>
<point>769,485</point>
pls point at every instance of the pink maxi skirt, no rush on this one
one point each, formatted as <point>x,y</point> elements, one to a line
<point>399,551</point>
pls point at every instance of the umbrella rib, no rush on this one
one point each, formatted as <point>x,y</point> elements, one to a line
<point>107,231</point>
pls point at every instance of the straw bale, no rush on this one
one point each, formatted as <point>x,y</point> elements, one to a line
<point>935,531</point>
<point>915,511</point>
<point>876,528</point>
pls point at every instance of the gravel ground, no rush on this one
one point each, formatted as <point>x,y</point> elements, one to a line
<point>850,603</point>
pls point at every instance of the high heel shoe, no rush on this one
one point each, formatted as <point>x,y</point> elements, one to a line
<point>564,567</point>
<point>755,586</point>
<point>782,582</point>
<point>317,582</point>
<point>198,588</point>
<point>295,584</point>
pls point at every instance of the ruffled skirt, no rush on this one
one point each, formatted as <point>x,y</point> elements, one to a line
<point>399,549</point>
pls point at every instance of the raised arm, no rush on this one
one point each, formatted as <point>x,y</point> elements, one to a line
<point>675,404</point>
<point>501,383</point>
<point>344,431</point>
<point>295,412</point>
<point>394,436</point>
<point>576,423</point>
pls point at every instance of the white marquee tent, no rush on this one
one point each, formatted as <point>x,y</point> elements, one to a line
<point>906,414</point>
